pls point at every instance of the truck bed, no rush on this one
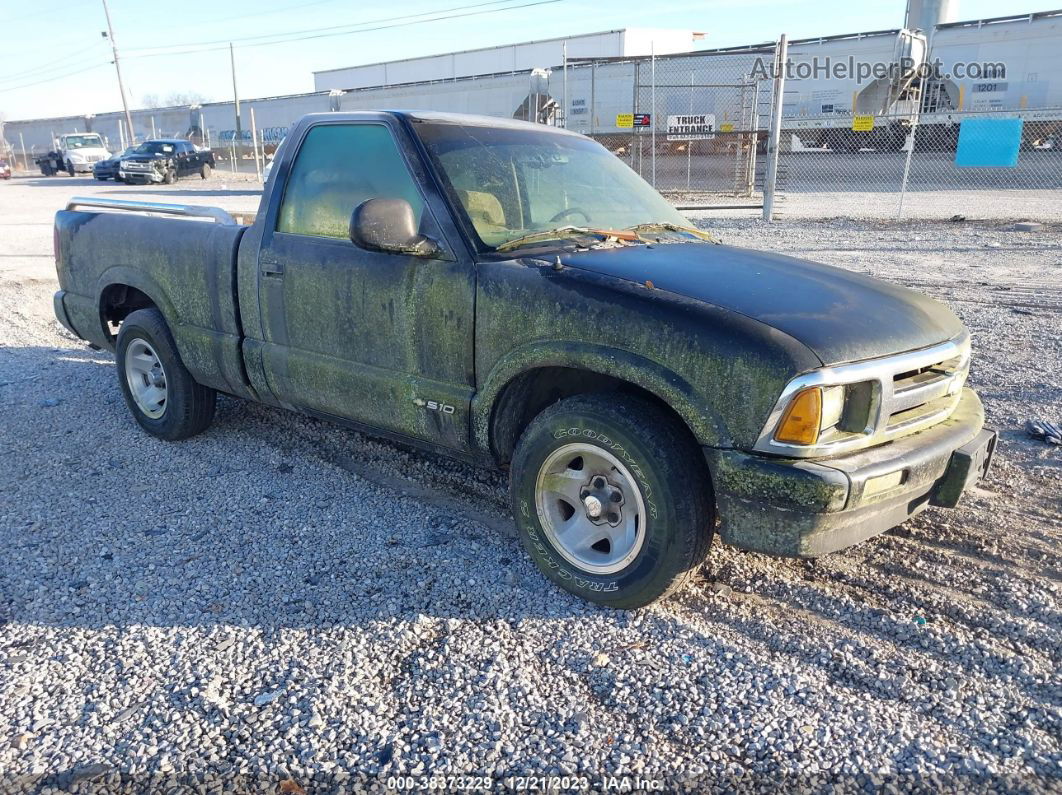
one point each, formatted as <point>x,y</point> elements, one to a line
<point>187,266</point>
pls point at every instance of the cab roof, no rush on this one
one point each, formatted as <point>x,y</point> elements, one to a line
<point>438,117</point>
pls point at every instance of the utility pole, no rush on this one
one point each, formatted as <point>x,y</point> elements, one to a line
<point>235,93</point>
<point>781,55</point>
<point>118,69</point>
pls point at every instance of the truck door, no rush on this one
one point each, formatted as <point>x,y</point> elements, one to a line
<point>381,339</point>
<point>186,159</point>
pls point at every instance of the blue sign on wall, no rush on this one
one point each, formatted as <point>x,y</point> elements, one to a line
<point>988,143</point>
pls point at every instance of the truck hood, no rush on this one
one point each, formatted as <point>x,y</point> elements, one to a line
<point>147,158</point>
<point>840,315</point>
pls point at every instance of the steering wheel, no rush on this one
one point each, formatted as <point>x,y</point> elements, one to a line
<point>570,211</point>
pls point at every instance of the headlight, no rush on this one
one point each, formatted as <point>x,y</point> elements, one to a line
<point>832,406</point>
<point>821,410</point>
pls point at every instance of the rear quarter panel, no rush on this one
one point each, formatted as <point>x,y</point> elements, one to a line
<point>187,268</point>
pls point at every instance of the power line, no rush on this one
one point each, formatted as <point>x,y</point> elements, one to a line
<point>56,64</point>
<point>293,38</point>
<point>296,7</point>
<point>287,40</point>
<point>28,16</point>
<point>50,74</point>
<point>334,29</point>
<point>53,79</point>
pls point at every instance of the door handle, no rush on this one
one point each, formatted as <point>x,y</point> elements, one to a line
<point>273,269</point>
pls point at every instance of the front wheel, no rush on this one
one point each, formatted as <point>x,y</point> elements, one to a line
<point>204,172</point>
<point>170,176</point>
<point>70,168</point>
<point>160,392</point>
<point>612,499</point>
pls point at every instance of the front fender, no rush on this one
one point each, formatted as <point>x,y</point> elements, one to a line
<point>719,370</point>
<point>675,391</point>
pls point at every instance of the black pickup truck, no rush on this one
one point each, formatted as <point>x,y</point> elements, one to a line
<point>516,295</point>
<point>164,160</point>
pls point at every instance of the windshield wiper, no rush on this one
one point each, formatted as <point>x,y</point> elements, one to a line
<point>669,227</point>
<point>560,233</point>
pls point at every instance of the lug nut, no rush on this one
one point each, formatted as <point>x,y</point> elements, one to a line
<point>593,507</point>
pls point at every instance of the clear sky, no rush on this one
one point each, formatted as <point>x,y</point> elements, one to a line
<point>55,62</point>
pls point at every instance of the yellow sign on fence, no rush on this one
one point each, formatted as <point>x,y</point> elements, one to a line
<point>862,123</point>
<point>625,120</point>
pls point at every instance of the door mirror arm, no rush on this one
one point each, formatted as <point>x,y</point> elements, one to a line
<point>389,225</point>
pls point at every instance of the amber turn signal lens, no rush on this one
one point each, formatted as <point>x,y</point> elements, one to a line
<point>801,421</point>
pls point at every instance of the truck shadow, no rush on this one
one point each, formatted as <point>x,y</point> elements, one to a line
<point>269,518</point>
<point>177,191</point>
<point>271,522</point>
<point>277,520</point>
<point>57,181</point>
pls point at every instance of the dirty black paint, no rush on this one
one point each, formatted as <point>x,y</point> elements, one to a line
<point>371,338</point>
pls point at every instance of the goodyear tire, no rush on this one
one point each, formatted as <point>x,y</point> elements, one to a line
<point>612,499</point>
<point>160,392</point>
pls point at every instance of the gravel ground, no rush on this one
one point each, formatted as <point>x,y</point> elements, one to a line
<point>288,600</point>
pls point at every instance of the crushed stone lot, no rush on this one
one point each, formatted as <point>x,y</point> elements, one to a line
<point>286,599</point>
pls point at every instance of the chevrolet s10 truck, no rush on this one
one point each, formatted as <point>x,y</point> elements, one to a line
<point>514,294</point>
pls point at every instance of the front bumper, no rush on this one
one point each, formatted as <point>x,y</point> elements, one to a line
<point>810,508</point>
<point>147,177</point>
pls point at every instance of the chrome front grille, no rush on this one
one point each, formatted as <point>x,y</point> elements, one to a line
<point>925,392</point>
<point>909,393</point>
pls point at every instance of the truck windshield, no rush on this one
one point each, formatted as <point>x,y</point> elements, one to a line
<point>155,148</point>
<point>515,182</point>
<point>82,142</point>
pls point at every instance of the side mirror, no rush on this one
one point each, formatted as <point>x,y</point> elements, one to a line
<point>389,225</point>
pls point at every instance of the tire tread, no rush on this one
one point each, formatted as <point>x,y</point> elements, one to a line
<point>674,449</point>
<point>198,402</point>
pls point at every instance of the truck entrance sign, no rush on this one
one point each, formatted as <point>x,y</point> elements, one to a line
<point>694,127</point>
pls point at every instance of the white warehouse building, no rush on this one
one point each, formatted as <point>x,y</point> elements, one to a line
<point>508,58</point>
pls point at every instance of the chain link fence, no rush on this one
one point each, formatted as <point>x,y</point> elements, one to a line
<point>986,164</point>
<point>696,126</point>
<point>690,125</point>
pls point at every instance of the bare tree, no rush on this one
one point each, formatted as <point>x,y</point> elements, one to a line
<point>173,99</point>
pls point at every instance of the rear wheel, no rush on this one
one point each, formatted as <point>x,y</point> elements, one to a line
<point>160,392</point>
<point>612,499</point>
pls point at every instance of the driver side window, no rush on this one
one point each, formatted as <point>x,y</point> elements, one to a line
<point>338,167</point>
